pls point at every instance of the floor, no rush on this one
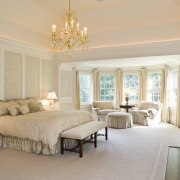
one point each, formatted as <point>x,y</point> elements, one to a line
<point>138,153</point>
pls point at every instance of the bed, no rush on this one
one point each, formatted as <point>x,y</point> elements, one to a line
<point>38,131</point>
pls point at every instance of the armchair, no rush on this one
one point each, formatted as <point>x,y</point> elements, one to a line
<point>101,108</point>
<point>147,113</point>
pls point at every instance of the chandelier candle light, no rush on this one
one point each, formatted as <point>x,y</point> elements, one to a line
<point>69,36</point>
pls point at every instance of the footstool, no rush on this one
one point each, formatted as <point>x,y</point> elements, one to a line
<point>119,120</point>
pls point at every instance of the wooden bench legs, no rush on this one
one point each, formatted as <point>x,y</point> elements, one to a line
<point>81,141</point>
<point>62,145</point>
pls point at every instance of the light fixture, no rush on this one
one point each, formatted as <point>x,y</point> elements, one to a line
<point>69,36</point>
<point>51,96</point>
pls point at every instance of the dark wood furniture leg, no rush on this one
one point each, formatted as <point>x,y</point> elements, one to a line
<point>80,143</point>
<point>95,139</point>
<point>106,133</point>
<point>62,145</point>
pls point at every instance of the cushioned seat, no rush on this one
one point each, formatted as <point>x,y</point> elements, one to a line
<point>119,120</point>
<point>101,108</point>
<point>148,113</point>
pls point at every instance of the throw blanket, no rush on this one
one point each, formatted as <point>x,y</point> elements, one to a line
<point>44,126</point>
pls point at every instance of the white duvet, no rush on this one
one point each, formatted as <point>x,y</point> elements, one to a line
<point>44,126</point>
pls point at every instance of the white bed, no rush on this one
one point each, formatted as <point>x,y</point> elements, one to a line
<point>39,131</point>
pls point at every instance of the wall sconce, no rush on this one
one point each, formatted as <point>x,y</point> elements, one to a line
<point>52,96</point>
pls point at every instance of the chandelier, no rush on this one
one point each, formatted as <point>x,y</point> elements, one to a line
<point>69,36</point>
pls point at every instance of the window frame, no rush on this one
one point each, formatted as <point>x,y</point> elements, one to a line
<point>148,90</point>
<point>124,93</point>
<point>109,74</point>
<point>91,87</point>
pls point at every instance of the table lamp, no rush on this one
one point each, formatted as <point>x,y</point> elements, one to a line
<point>51,96</point>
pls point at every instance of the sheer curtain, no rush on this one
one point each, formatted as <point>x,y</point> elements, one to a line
<point>96,85</point>
<point>178,102</point>
<point>143,84</point>
<point>77,91</point>
<point>164,94</point>
<point>119,87</point>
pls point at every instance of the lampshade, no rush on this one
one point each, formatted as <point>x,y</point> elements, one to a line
<point>51,95</point>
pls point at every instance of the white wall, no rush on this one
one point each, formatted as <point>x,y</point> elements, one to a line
<point>66,87</point>
<point>24,71</point>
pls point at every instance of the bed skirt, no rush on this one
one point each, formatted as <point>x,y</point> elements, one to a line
<point>32,146</point>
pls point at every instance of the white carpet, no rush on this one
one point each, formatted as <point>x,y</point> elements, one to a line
<point>138,153</point>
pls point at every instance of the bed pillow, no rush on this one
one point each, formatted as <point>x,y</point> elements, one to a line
<point>4,105</point>
<point>24,109</point>
<point>13,110</point>
<point>36,107</point>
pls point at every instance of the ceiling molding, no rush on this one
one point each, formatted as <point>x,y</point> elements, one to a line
<point>126,51</point>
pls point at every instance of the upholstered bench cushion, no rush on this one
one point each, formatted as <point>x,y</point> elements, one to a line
<point>119,120</point>
<point>84,130</point>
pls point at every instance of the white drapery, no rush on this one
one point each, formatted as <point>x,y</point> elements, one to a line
<point>178,102</point>
<point>164,94</point>
<point>119,87</point>
<point>96,85</point>
<point>143,84</point>
<point>77,91</point>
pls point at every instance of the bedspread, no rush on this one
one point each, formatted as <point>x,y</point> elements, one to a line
<point>42,126</point>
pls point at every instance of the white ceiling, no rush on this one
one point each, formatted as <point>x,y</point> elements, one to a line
<point>109,22</point>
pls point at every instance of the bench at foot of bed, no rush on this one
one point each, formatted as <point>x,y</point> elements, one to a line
<point>83,131</point>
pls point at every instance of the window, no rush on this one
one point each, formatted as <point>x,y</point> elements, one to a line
<point>107,87</point>
<point>173,88</point>
<point>85,88</point>
<point>131,87</point>
<point>154,87</point>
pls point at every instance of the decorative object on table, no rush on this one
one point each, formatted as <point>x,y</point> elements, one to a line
<point>69,36</point>
<point>52,96</point>
<point>126,93</point>
<point>127,99</point>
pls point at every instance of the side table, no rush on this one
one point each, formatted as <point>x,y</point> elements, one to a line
<point>127,107</point>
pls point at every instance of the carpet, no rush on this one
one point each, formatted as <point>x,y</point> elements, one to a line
<point>138,153</point>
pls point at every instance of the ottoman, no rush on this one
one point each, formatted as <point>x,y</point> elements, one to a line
<point>119,120</point>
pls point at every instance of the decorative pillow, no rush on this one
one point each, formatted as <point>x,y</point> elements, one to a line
<point>24,109</point>
<point>152,113</point>
<point>13,110</point>
<point>4,105</point>
<point>36,107</point>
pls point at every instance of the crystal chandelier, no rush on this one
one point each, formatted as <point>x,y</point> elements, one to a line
<point>69,36</point>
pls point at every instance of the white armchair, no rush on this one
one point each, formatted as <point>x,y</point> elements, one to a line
<point>101,108</point>
<point>147,113</point>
